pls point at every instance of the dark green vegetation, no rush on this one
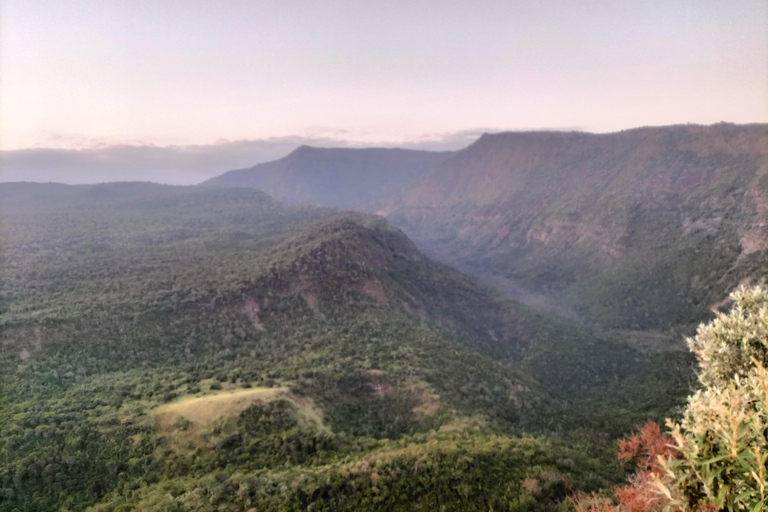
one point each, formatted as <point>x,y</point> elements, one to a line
<point>383,381</point>
<point>338,177</point>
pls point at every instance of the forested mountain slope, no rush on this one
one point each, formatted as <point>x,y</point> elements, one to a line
<point>645,228</point>
<point>338,177</point>
<point>176,348</point>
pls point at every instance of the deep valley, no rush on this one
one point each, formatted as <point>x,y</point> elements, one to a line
<point>475,330</point>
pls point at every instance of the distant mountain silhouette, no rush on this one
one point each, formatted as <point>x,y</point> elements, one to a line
<point>337,177</point>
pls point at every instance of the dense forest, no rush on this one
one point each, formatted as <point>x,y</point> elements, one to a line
<point>186,348</point>
<point>402,256</point>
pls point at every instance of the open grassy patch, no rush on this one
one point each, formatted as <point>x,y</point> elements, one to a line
<point>204,410</point>
<point>197,421</point>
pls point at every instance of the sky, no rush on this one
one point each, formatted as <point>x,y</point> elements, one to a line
<point>85,75</point>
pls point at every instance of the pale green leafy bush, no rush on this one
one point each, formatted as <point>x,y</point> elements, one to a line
<point>723,437</point>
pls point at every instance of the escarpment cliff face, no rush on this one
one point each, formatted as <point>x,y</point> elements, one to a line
<point>643,228</point>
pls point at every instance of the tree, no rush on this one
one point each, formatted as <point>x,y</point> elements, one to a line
<point>649,446</point>
<point>717,457</point>
<point>722,441</point>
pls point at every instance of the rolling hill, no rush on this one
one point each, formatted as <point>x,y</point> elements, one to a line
<point>184,347</point>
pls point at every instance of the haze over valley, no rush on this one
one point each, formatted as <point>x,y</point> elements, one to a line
<point>357,300</point>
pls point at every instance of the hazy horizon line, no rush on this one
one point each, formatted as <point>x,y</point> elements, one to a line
<point>189,164</point>
<point>88,143</point>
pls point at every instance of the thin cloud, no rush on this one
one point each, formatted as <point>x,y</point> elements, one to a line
<point>185,164</point>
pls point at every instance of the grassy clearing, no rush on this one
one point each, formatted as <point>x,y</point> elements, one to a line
<point>203,411</point>
<point>213,414</point>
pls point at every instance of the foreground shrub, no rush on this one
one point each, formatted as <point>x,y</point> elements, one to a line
<point>649,447</point>
<point>717,457</point>
<point>722,440</point>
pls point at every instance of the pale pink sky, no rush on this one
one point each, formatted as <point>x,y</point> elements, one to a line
<point>192,72</point>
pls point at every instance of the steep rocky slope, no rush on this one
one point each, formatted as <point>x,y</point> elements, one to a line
<point>645,228</point>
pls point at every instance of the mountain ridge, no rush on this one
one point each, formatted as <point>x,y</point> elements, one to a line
<point>553,210</point>
<point>596,223</point>
<point>337,177</point>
